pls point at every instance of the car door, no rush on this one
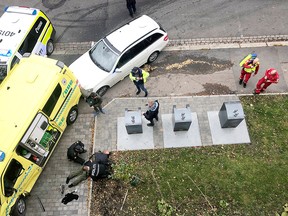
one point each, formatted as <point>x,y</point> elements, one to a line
<point>135,56</point>
<point>18,175</point>
<point>152,44</point>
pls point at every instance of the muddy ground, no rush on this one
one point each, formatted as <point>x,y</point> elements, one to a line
<point>181,74</point>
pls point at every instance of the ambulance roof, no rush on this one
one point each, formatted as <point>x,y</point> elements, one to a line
<point>22,96</point>
<point>14,24</point>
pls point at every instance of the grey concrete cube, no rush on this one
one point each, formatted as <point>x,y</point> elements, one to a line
<point>133,121</point>
<point>181,118</point>
<point>231,114</point>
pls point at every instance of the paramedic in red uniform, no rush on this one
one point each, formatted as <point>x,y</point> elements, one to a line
<point>249,67</point>
<point>271,76</point>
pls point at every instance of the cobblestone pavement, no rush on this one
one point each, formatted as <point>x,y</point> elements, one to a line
<point>47,188</point>
<point>102,133</point>
<point>192,44</point>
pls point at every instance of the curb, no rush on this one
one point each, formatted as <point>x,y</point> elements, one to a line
<point>190,44</point>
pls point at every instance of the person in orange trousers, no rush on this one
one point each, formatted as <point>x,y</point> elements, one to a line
<point>271,76</point>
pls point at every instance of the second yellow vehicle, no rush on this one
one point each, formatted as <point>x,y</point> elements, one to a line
<point>38,100</point>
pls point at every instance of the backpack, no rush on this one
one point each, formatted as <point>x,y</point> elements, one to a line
<point>251,56</point>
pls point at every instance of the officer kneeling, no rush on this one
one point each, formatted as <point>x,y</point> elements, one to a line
<point>97,167</point>
<point>100,165</point>
<point>74,151</point>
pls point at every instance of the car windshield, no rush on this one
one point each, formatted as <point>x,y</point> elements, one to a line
<point>103,56</point>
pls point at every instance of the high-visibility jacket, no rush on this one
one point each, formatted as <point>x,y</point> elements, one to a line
<point>144,74</point>
<point>249,67</point>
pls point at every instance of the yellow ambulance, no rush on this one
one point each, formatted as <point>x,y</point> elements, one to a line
<point>23,30</point>
<point>38,100</point>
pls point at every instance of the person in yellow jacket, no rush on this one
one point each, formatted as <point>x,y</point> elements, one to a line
<point>250,66</point>
<point>139,77</point>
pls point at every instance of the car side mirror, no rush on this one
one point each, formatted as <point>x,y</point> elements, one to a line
<point>117,70</point>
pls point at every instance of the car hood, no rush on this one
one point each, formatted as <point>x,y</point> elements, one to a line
<point>87,73</point>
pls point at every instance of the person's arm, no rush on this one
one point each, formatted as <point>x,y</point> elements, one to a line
<point>145,75</point>
<point>257,69</point>
<point>248,64</point>
<point>132,78</point>
<point>275,79</point>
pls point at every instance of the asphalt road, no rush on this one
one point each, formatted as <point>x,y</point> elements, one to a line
<point>89,20</point>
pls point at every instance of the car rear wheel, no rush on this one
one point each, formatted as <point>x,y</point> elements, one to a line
<point>72,115</point>
<point>19,208</point>
<point>153,57</point>
<point>103,90</point>
<point>49,47</point>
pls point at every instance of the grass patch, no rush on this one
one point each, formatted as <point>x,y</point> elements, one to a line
<point>216,180</point>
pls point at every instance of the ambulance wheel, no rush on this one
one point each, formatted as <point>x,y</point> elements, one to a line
<point>49,47</point>
<point>72,115</point>
<point>103,90</point>
<point>19,209</point>
<point>153,57</point>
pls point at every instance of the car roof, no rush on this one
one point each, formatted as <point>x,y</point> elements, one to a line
<point>131,32</point>
<point>17,21</point>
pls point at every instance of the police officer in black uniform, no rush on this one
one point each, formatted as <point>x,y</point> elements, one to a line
<point>74,151</point>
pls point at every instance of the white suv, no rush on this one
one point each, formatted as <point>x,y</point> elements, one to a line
<point>112,58</point>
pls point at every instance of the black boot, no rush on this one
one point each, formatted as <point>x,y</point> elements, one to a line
<point>240,81</point>
<point>101,110</point>
<point>254,92</point>
<point>151,124</point>
<point>244,85</point>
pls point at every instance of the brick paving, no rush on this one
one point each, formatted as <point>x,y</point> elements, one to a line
<point>191,44</point>
<point>47,188</point>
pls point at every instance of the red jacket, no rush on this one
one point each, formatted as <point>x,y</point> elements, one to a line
<point>273,78</point>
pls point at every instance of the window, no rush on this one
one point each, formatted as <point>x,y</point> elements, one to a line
<point>49,106</point>
<point>103,56</point>
<point>12,173</point>
<point>138,48</point>
<point>127,56</point>
<point>131,53</point>
<point>30,42</point>
<point>24,47</point>
<point>152,38</point>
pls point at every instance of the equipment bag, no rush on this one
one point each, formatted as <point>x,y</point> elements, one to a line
<point>245,59</point>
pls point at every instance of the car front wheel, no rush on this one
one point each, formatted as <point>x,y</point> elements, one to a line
<point>153,57</point>
<point>72,115</point>
<point>103,90</point>
<point>19,208</point>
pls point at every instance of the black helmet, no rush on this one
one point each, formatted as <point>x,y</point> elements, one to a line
<point>78,148</point>
<point>135,71</point>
